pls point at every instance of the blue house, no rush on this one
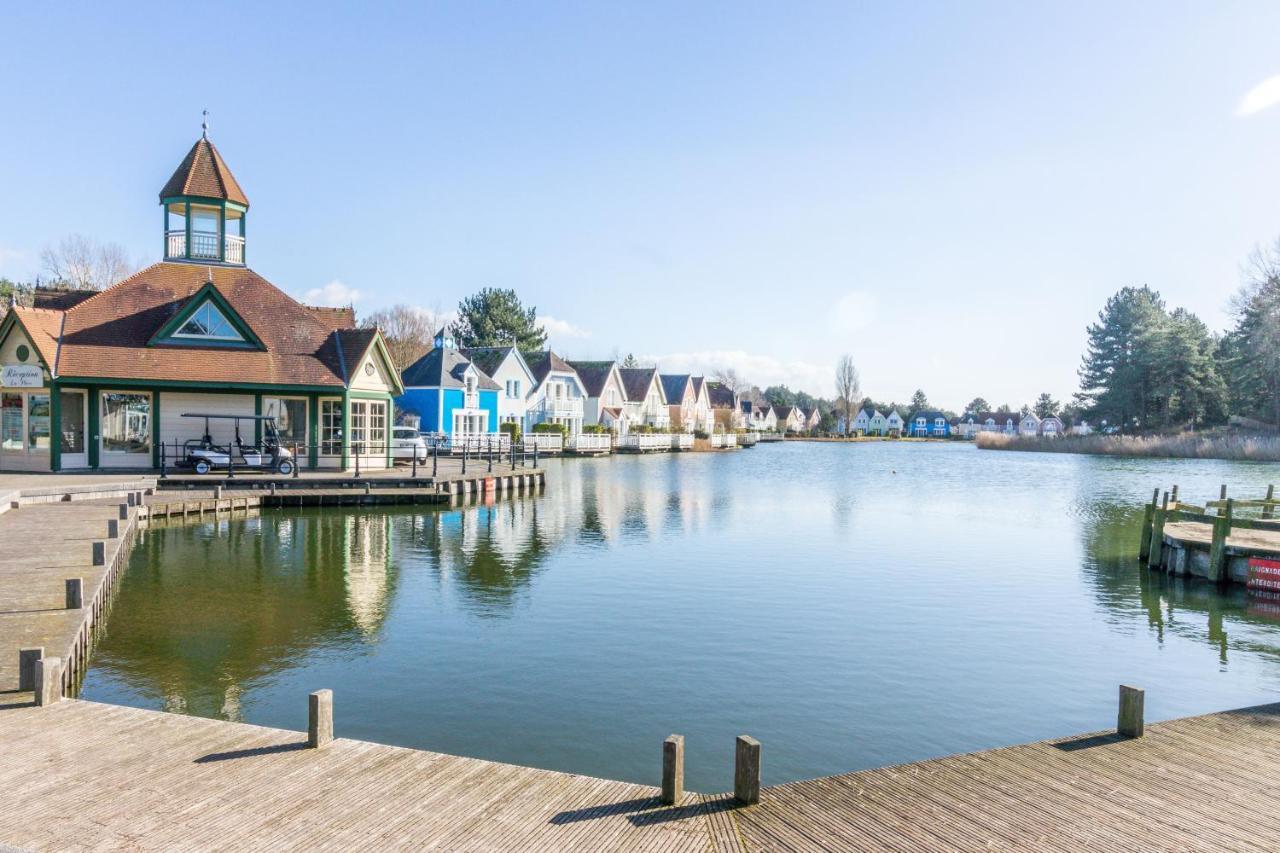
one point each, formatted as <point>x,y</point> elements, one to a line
<point>448,393</point>
<point>929,425</point>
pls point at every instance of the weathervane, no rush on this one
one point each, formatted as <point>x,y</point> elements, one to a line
<point>204,125</point>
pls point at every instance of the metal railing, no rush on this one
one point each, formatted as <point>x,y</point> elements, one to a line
<point>646,441</point>
<point>588,442</point>
<point>547,442</point>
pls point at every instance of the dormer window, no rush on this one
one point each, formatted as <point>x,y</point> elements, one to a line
<point>208,323</point>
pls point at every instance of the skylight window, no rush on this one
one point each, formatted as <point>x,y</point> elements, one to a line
<point>209,323</point>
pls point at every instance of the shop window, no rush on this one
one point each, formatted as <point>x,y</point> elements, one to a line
<point>11,406</point>
<point>291,418</point>
<point>38,422</point>
<point>126,423</point>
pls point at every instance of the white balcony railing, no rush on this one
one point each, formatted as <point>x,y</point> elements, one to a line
<point>562,406</point>
<point>682,441</point>
<point>587,442</point>
<point>724,439</point>
<point>204,246</point>
<point>747,439</point>
<point>546,442</point>
<point>647,441</point>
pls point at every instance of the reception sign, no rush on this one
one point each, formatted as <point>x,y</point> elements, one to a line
<point>21,376</point>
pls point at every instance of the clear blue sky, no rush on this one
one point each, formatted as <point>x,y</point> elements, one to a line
<point>946,191</point>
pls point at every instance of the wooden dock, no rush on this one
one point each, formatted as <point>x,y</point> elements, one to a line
<point>1215,541</point>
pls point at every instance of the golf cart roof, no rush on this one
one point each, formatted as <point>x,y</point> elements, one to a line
<point>230,417</point>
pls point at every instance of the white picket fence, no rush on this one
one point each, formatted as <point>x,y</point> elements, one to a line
<point>587,442</point>
<point>724,439</point>
<point>682,441</point>
<point>545,442</point>
<point>646,441</point>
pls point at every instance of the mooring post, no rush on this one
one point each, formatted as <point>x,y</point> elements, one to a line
<point>1157,534</point>
<point>28,661</point>
<point>673,770</point>
<point>48,681</point>
<point>75,593</point>
<point>99,553</point>
<point>1222,493</point>
<point>746,770</point>
<point>1148,518</point>
<point>132,497</point>
<point>1218,546</point>
<point>415,463</point>
<point>124,509</point>
<point>320,718</point>
<point>217,493</point>
<point>1173,496</point>
<point>464,456</point>
<point>435,458</point>
<point>113,528</point>
<point>1129,721</point>
<point>1268,508</point>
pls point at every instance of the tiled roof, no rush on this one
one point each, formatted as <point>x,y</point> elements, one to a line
<point>594,375</point>
<point>107,335</point>
<point>487,359</point>
<point>43,326</point>
<point>334,318</point>
<point>698,383</point>
<point>720,394</point>
<point>543,362</point>
<point>636,381</point>
<point>674,386</point>
<point>783,412</point>
<point>203,173</point>
<point>352,345</point>
<point>443,367</point>
<point>59,299</point>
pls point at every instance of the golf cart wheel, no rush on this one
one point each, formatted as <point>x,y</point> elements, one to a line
<point>285,467</point>
<point>202,467</point>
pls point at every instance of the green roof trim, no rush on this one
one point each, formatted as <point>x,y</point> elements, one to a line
<point>209,293</point>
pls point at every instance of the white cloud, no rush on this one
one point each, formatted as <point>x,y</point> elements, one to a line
<point>853,312</point>
<point>1262,96</point>
<point>762,370</point>
<point>562,329</point>
<point>335,294</point>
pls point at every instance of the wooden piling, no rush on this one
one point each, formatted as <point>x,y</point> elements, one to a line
<point>746,770</point>
<point>1218,546</point>
<point>99,553</point>
<point>1268,510</point>
<point>28,660</point>
<point>673,770</point>
<point>113,529</point>
<point>48,681</point>
<point>320,719</point>
<point>1148,517</point>
<point>75,593</point>
<point>1157,534</point>
<point>1222,492</point>
<point>1173,495</point>
<point>123,510</point>
<point>1130,720</point>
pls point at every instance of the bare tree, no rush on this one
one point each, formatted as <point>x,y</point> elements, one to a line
<point>83,264</point>
<point>408,331</point>
<point>729,378</point>
<point>848,389</point>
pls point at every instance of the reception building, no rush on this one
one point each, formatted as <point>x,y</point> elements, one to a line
<point>102,380</point>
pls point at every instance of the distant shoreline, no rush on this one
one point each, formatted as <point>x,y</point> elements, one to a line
<point>1231,446</point>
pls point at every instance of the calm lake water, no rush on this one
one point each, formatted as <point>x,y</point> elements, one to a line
<point>849,605</point>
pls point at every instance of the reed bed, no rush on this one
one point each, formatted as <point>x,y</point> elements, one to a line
<point>1255,447</point>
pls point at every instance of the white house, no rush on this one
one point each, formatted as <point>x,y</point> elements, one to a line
<point>789,419</point>
<point>507,367</point>
<point>877,424</point>
<point>862,422</point>
<point>646,404</point>
<point>1029,424</point>
<point>606,396</point>
<point>703,417</point>
<point>893,424</point>
<point>1051,426</point>
<point>1082,428</point>
<point>681,400</point>
<point>558,396</point>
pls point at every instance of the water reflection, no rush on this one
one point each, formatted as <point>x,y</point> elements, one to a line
<point>575,628</point>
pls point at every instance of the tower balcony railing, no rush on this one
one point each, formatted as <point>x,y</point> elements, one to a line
<point>204,246</point>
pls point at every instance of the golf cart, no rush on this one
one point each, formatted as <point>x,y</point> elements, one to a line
<point>203,456</point>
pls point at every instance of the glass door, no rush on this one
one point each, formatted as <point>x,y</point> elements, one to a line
<point>73,415</point>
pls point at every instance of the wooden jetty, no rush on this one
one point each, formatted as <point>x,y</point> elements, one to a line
<point>1215,540</point>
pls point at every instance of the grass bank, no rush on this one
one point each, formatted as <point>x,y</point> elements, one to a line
<point>1256,447</point>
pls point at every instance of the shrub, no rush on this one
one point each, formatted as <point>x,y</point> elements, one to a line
<point>547,426</point>
<point>512,429</point>
<point>701,434</point>
<point>595,429</point>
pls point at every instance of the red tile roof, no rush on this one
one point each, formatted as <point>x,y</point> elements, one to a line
<point>42,326</point>
<point>107,335</point>
<point>204,173</point>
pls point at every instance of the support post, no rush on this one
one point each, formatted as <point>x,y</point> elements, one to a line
<point>746,770</point>
<point>1129,721</point>
<point>320,719</point>
<point>1173,496</point>
<point>113,528</point>
<point>28,662</point>
<point>99,553</point>
<point>217,493</point>
<point>1157,534</point>
<point>673,770</point>
<point>124,508</point>
<point>1267,509</point>
<point>132,498</point>
<point>1222,493</point>
<point>48,682</point>
<point>74,593</point>
<point>1148,517</point>
<point>1218,548</point>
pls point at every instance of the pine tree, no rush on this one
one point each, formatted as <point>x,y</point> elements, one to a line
<point>1045,406</point>
<point>495,317</point>
<point>1117,373</point>
<point>919,402</point>
<point>976,405</point>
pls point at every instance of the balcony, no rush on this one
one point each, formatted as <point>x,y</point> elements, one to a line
<point>204,246</point>
<point>562,406</point>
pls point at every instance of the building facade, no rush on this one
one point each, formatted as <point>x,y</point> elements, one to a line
<point>448,394</point>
